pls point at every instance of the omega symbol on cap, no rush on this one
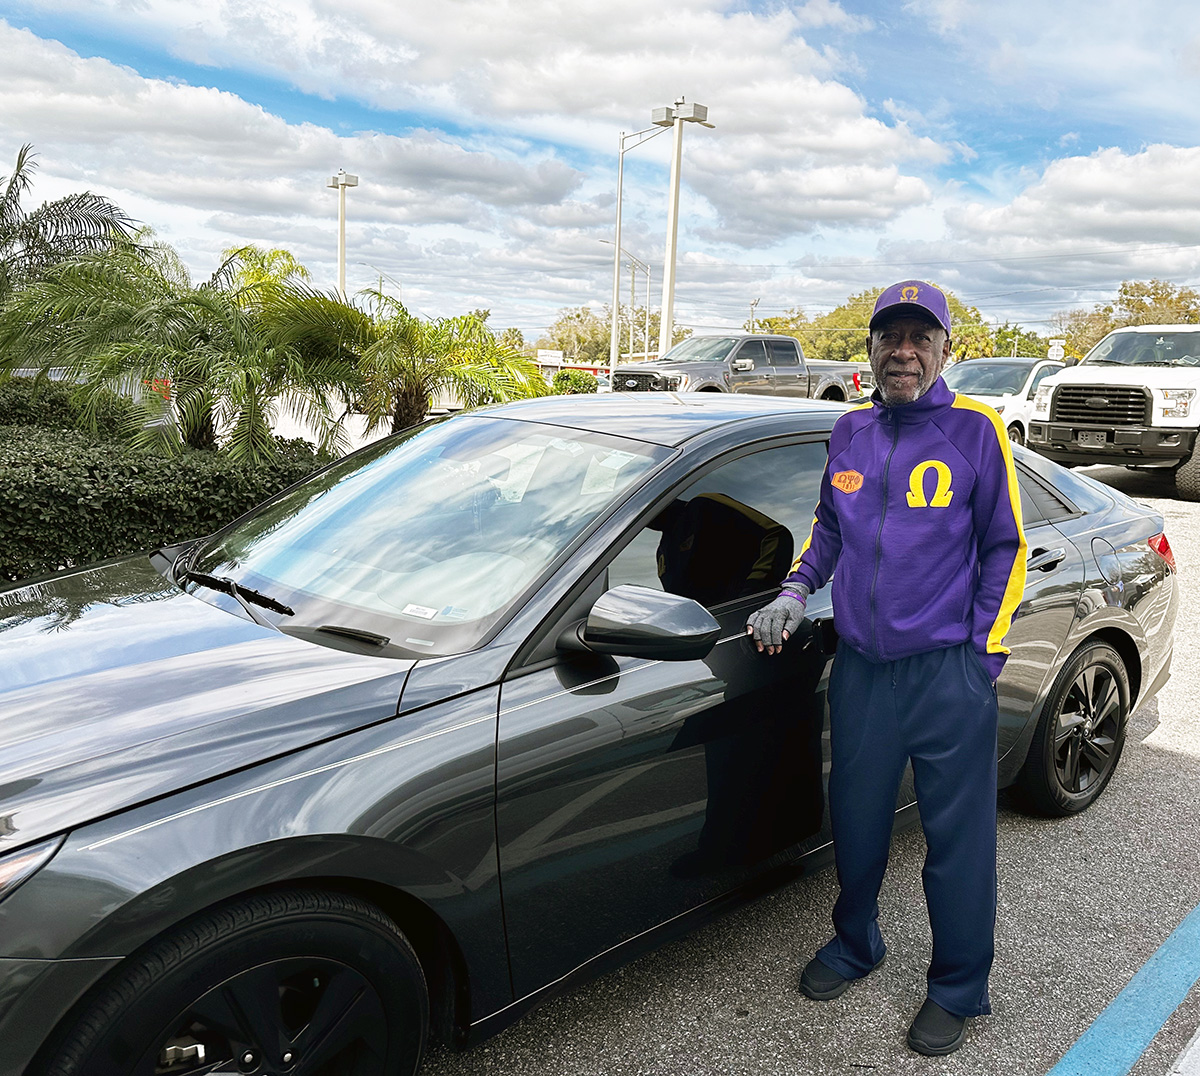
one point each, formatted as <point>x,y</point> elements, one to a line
<point>909,294</point>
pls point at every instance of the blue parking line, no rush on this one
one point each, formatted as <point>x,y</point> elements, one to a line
<point>1121,1033</point>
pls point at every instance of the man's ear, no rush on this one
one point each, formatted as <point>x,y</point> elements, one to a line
<point>946,349</point>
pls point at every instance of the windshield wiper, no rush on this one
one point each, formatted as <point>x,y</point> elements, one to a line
<point>356,633</point>
<point>244,596</point>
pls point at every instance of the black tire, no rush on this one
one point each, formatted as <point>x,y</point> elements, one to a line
<point>1015,435</point>
<point>1080,734</point>
<point>1187,478</point>
<point>324,978</point>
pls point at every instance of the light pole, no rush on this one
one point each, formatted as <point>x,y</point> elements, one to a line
<point>644,135</point>
<point>634,265</point>
<point>753,304</point>
<point>675,117</point>
<point>340,182</point>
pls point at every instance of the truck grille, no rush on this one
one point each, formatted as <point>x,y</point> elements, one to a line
<point>1101,405</point>
<point>626,382</point>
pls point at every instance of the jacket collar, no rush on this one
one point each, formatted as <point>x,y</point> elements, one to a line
<point>937,399</point>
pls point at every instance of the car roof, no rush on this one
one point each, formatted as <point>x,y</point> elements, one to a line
<point>1180,326</point>
<point>662,418</point>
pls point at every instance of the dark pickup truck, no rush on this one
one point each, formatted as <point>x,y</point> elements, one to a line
<point>745,362</point>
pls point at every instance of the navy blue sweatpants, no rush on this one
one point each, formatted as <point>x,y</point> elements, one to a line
<point>939,710</point>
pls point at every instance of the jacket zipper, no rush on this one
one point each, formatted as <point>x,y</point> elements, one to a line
<point>887,463</point>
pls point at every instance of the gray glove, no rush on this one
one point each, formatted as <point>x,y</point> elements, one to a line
<point>774,623</point>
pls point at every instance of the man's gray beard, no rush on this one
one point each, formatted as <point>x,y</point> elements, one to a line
<point>922,388</point>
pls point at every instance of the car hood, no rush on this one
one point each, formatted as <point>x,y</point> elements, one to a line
<point>1098,374</point>
<point>117,687</point>
<point>990,399</point>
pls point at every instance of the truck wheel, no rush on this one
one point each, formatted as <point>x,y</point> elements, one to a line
<point>833,394</point>
<point>1015,435</point>
<point>1187,478</point>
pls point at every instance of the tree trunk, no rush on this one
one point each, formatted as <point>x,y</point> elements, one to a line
<point>204,436</point>
<point>412,405</point>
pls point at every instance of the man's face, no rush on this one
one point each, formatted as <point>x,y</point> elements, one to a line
<point>907,354</point>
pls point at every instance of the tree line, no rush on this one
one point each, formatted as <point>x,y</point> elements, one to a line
<point>582,333</point>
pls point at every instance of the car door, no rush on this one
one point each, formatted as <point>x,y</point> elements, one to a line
<point>630,791</point>
<point>791,377</point>
<point>750,369</point>
<point>1053,586</point>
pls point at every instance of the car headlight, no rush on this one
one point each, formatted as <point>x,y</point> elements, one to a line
<point>675,382</point>
<point>1176,402</point>
<point>21,865</point>
<point>999,409</point>
<point>1041,402</point>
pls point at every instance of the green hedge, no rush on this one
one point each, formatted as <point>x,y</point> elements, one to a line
<point>53,405</point>
<point>67,498</point>
<point>574,381</point>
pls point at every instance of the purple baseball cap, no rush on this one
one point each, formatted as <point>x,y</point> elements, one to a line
<point>915,298</point>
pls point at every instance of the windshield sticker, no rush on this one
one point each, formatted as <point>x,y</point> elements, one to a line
<point>420,642</point>
<point>573,447</point>
<point>523,460</point>
<point>617,459</point>
<point>453,612</point>
<point>422,611</point>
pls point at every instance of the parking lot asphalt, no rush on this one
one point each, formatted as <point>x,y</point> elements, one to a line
<point>1083,903</point>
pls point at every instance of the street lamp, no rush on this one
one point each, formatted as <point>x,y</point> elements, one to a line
<point>635,264</point>
<point>675,117</point>
<point>644,135</point>
<point>753,304</point>
<point>340,182</point>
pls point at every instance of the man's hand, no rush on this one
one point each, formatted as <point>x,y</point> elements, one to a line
<point>774,623</point>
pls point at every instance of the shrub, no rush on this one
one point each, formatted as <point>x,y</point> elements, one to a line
<point>27,401</point>
<point>67,498</point>
<point>574,381</point>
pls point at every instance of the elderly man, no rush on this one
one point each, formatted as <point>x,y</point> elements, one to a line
<point>921,516</point>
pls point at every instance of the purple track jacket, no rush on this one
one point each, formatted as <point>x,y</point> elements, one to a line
<point>920,513</point>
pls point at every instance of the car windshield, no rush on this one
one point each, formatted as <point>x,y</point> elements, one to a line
<point>701,349</point>
<point>1150,348</point>
<point>986,378</point>
<point>430,537</point>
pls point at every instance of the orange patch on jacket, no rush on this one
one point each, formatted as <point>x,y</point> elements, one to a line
<point>847,481</point>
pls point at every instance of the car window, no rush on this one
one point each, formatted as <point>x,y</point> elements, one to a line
<point>1041,376</point>
<point>753,349</point>
<point>982,378</point>
<point>1039,503</point>
<point>428,539</point>
<point>783,353</point>
<point>1079,493</point>
<point>732,532</point>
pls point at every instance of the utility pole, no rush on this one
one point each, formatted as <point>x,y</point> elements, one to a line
<point>753,304</point>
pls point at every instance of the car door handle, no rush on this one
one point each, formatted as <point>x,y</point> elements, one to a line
<point>1042,560</point>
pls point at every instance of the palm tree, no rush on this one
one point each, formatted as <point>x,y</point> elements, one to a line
<point>131,321</point>
<point>403,362</point>
<point>67,228</point>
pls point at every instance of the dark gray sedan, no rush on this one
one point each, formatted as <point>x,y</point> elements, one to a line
<point>465,717</point>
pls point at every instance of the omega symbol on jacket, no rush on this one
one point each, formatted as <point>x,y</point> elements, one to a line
<point>916,485</point>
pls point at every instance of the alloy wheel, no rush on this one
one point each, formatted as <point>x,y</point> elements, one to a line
<point>1087,729</point>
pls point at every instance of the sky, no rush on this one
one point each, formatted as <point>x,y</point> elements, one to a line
<point>1028,156</point>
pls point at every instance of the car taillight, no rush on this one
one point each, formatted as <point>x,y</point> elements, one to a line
<point>1162,547</point>
<point>857,381</point>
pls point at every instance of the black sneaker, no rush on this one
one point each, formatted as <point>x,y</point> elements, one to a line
<point>821,983</point>
<point>936,1032</point>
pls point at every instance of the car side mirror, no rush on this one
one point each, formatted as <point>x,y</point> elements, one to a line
<point>742,366</point>
<point>640,622</point>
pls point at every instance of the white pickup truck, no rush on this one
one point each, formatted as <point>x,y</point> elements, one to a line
<point>1132,400</point>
